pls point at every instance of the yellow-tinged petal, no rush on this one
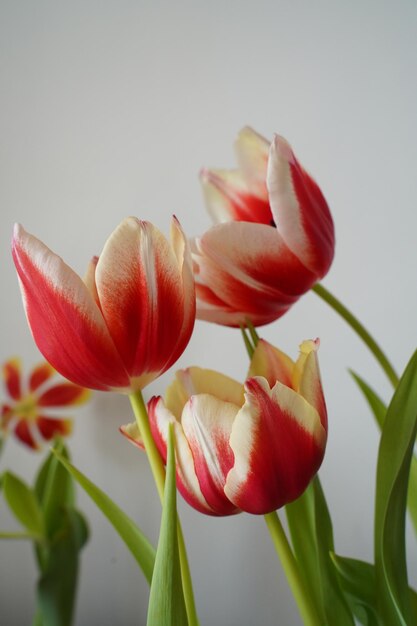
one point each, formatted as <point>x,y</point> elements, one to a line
<point>252,152</point>
<point>272,364</point>
<point>196,380</point>
<point>307,380</point>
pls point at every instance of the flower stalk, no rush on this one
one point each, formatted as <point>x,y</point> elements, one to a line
<point>360,330</point>
<point>283,549</point>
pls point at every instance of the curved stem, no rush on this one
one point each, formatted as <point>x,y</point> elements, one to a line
<point>360,330</point>
<point>158,471</point>
<point>302,596</point>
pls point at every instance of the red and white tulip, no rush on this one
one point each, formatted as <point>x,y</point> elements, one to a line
<point>252,447</point>
<point>273,238</point>
<point>127,322</point>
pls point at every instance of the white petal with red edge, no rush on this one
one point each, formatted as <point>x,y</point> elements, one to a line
<point>299,208</point>
<point>284,203</point>
<point>207,423</point>
<point>160,418</point>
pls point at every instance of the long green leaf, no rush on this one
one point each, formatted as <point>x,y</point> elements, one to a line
<point>336,608</point>
<point>55,490</point>
<point>129,532</point>
<point>312,539</point>
<point>58,583</point>
<point>358,582</point>
<point>166,600</point>
<point>394,460</point>
<point>24,504</point>
<point>379,410</point>
<point>301,523</point>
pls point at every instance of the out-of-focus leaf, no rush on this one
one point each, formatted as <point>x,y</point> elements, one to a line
<point>54,489</point>
<point>58,583</point>
<point>24,504</point>
<point>166,600</point>
<point>379,410</point>
<point>129,532</point>
<point>394,459</point>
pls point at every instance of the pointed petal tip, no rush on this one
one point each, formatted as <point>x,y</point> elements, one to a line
<point>309,345</point>
<point>282,148</point>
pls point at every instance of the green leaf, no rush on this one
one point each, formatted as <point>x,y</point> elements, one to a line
<point>24,504</point>
<point>358,582</point>
<point>129,532</point>
<point>54,489</point>
<point>336,608</point>
<point>166,600</point>
<point>312,539</point>
<point>377,406</point>
<point>301,522</point>
<point>379,411</point>
<point>394,459</point>
<point>58,583</point>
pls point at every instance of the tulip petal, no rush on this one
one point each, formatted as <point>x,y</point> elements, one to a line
<point>50,427</point>
<point>132,433</point>
<point>12,374</point>
<point>182,253</point>
<point>24,433</point>
<point>278,442</point>
<point>299,208</point>
<point>307,380</point>
<point>272,364</point>
<point>160,418</point>
<point>139,287</point>
<point>207,423</point>
<point>66,323</point>
<point>228,198</point>
<point>39,375</point>
<point>249,267</point>
<point>63,394</point>
<point>252,151</point>
<point>90,279</point>
<point>196,380</point>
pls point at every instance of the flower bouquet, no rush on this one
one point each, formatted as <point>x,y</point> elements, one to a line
<point>229,446</point>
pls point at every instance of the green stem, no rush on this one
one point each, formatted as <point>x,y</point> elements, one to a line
<point>20,535</point>
<point>302,596</point>
<point>360,330</point>
<point>158,471</point>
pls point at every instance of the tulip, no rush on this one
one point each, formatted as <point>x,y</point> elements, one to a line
<point>127,322</point>
<point>273,238</point>
<point>26,411</point>
<point>250,448</point>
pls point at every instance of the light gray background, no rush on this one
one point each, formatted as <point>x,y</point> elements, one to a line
<point>109,109</point>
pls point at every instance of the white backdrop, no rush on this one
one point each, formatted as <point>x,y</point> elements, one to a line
<point>109,109</point>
